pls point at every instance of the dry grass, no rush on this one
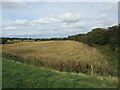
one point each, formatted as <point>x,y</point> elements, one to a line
<point>68,55</point>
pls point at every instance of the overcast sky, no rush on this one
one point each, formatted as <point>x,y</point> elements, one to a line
<point>54,19</point>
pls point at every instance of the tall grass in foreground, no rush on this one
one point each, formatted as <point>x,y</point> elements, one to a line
<point>17,75</point>
<point>67,56</point>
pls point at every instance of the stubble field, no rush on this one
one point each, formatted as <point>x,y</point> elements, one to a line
<point>70,56</point>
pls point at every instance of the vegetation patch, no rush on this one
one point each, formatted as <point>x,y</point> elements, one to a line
<point>17,75</point>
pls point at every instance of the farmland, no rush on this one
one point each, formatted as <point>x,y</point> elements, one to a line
<point>75,64</point>
<point>68,56</point>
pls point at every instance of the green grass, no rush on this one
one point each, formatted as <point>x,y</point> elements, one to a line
<point>17,75</point>
<point>10,42</point>
<point>112,57</point>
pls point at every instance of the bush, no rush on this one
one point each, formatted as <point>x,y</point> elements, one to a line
<point>3,40</point>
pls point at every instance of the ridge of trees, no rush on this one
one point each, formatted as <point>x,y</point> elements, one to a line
<point>100,36</point>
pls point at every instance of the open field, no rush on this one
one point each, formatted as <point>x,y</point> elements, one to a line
<point>70,56</point>
<point>17,75</point>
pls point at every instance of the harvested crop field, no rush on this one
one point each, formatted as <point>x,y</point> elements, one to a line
<point>68,56</point>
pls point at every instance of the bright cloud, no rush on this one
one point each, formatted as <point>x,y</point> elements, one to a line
<point>21,22</point>
<point>10,28</point>
<point>45,21</point>
<point>63,18</point>
<point>69,18</point>
<point>74,25</point>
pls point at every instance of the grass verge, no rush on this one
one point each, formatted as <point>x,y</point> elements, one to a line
<point>17,75</point>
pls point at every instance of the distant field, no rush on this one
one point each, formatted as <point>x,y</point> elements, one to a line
<point>70,56</point>
<point>17,41</point>
<point>17,75</point>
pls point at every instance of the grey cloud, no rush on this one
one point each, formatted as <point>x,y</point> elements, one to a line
<point>113,6</point>
<point>15,5</point>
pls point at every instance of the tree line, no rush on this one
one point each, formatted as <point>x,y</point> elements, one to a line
<point>97,36</point>
<point>3,40</point>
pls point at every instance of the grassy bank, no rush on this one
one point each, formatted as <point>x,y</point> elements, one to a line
<point>17,75</point>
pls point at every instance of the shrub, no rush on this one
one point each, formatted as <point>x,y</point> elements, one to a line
<point>3,40</point>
